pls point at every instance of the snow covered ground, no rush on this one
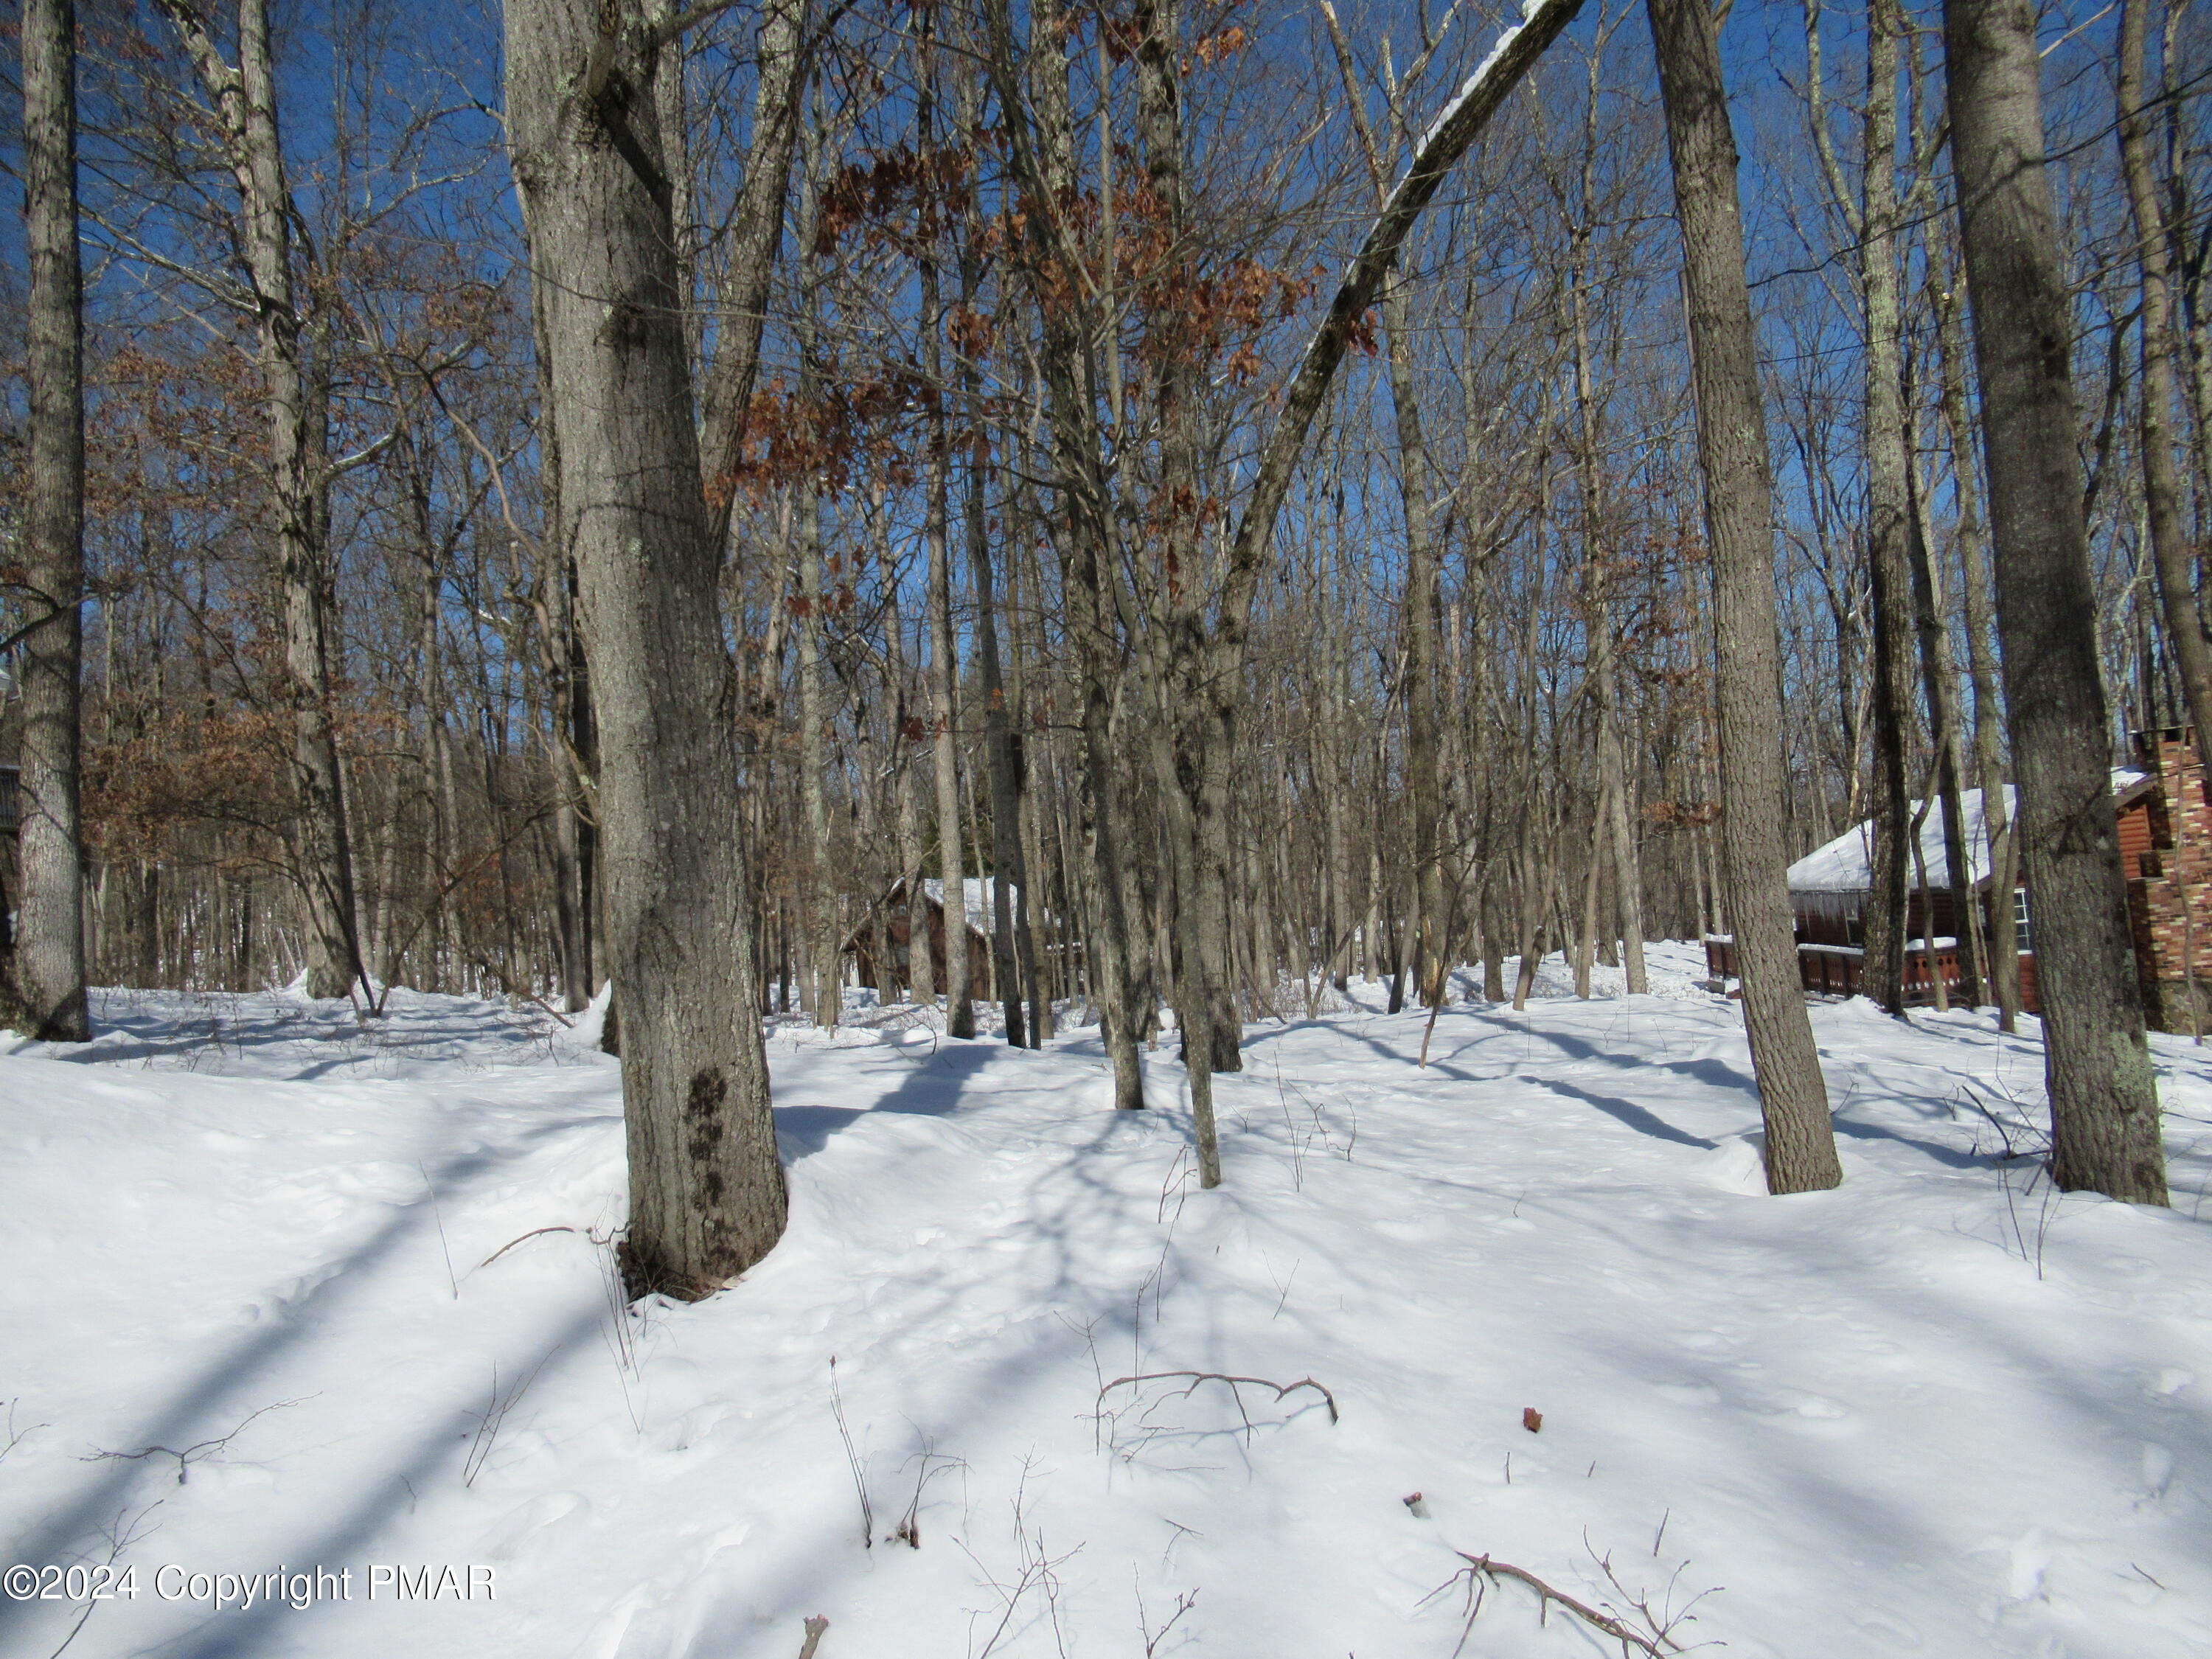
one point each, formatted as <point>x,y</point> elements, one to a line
<point>1938,1410</point>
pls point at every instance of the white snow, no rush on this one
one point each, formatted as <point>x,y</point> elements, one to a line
<point>1846,864</point>
<point>976,895</point>
<point>1938,1410</point>
<point>1468,87</point>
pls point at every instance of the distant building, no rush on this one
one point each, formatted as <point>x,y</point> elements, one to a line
<point>2165,828</point>
<point>882,947</point>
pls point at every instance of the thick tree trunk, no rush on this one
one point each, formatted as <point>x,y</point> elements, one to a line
<point>1801,1144</point>
<point>707,1190</point>
<point>2104,1095</point>
<point>46,974</point>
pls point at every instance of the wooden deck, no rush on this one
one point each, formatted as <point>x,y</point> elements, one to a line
<point>1833,970</point>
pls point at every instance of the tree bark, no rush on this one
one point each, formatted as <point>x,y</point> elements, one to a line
<point>707,1190</point>
<point>945,668</point>
<point>1424,779</point>
<point>783,52</point>
<point>245,102</point>
<point>823,969</point>
<point>1889,580</point>
<point>1981,654</point>
<point>2104,1096</point>
<point>1615,841</point>
<point>1043,163</point>
<point>47,970</point>
<point>2173,556</point>
<point>1001,754</point>
<point>1800,1145</point>
<point>1939,681</point>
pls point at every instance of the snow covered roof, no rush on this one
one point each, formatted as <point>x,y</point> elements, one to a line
<point>974,893</point>
<point>1846,864</point>
<point>974,898</point>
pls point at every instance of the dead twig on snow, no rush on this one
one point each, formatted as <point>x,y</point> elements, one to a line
<point>1196,1377</point>
<point>853,1456</point>
<point>1656,1640</point>
<point>525,1239</point>
<point>197,1453</point>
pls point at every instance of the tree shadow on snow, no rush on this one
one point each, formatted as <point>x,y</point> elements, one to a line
<point>933,1087</point>
<point>226,1377</point>
<point>232,1633</point>
<point>1636,1117</point>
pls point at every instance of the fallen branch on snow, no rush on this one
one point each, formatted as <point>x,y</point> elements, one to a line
<point>190,1454</point>
<point>533,1233</point>
<point>1656,1639</point>
<point>1197,1377</point>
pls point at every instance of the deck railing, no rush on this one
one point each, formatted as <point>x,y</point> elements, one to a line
<point>1833,969</point>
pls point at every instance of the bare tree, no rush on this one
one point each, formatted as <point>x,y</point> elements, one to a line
<point>2103,1094</point>
<point>295,390</point>
<point>2170,550</point>
<point>707,1190</point>
<point>47,961</point>
<point>1800,1141</point>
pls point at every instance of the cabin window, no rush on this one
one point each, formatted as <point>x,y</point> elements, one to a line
<point>2025,935</point>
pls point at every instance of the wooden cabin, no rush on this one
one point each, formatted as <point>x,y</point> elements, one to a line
<point>882,946</point>
<point>2164,829</point>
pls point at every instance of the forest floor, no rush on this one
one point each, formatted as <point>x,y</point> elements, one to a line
<point>1941,1410</point>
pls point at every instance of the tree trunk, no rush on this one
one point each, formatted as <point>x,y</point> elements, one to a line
<point>707,1190</point>
<point>945,667</point>
<point>945,653</point>
<point>2170,553</point>
<point>1008,873</point>
<point>1939,680</point>
<point>47,970</point>
<point>921,975</point>
<point>2003,932</point>
<point>1044,166</point>
<point>1031,918</point>
<point>1615,841</point>
<point>1888,517</point>
<point>2104,1096</point>
<point>1800,1146</point>
<point>1424,779</point>
<point>245,99</point>
<point>822,969</point>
